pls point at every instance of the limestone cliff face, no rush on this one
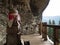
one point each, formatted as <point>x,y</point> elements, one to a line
<point>29,10</point>
<point>34,7</point>
<point>38,6</point>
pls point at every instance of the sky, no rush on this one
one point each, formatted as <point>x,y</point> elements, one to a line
<point>53,8</point>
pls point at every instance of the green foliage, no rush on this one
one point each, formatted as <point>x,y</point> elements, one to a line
<point>59,22</point>
<point>49,21</point>
<point>50,33</point>
<point>50,30</point>
<point>53,22</point>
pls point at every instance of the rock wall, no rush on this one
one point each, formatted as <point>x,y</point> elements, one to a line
<point>34,10</point>
<point>29,10</point>
<point>2,29</point>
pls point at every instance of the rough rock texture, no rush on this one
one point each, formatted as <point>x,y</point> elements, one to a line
<point>2,29</point>
<point>38,6</point>
<point>30,11</point>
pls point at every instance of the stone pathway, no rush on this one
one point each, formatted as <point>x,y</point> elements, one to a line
<point>35,39</point>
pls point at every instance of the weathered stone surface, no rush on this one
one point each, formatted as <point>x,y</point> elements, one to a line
<point>2,29</point>
<point>29,11</point>
<point>38,6</point>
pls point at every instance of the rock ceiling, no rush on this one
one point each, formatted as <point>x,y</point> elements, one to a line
<point>28,9</point>
<point>31,8</point>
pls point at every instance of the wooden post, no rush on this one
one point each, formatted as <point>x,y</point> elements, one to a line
<point>40,28</point>
<point>44,31</point>
<point>56,41</point>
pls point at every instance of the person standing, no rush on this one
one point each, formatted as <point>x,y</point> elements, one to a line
<point>13,28</point>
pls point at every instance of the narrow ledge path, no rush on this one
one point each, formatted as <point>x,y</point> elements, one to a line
<point>35,39</point>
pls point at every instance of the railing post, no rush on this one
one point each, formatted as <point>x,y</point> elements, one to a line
<point>55,33</point>
<point>44,31</point>
<point>40,28</point>
<point>56,41</point>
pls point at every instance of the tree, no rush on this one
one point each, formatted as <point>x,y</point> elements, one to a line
<point>59,22</point>
<point>49,21</point>
<point>53,22</point>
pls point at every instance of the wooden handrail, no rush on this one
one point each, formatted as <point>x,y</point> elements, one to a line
<point>53,26</point>
<point>55,32</point>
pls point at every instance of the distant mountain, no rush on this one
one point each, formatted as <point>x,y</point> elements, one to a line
<point>47,18</point>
